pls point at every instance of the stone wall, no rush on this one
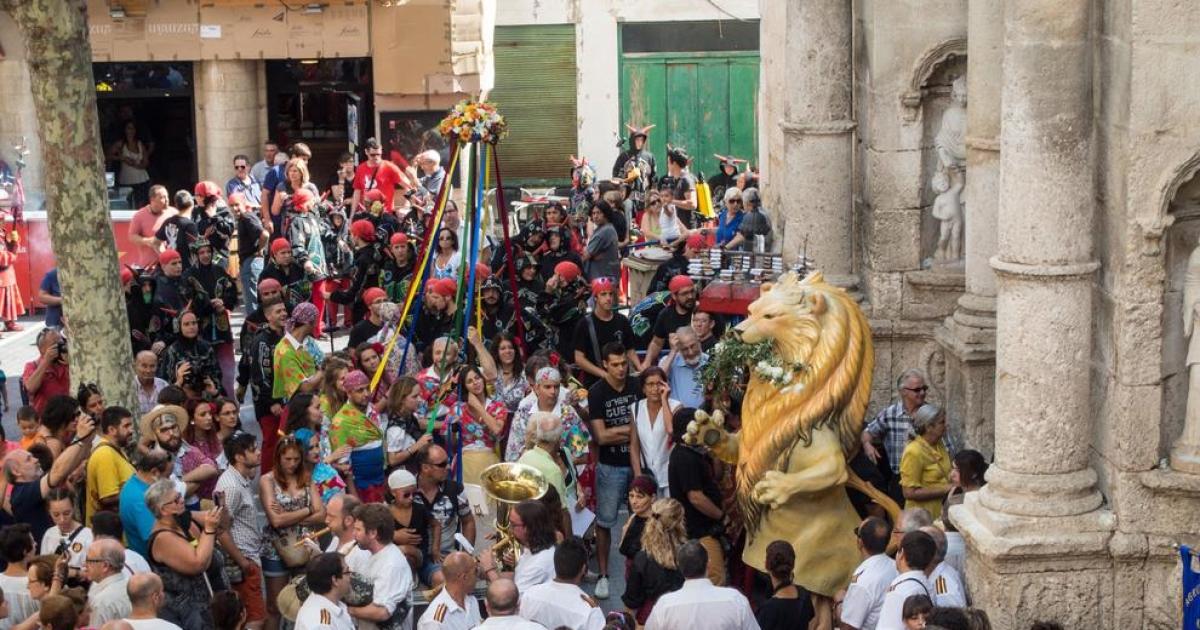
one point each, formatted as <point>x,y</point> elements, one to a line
<point>228,102</point>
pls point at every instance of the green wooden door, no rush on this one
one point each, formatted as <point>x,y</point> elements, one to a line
<point>703,102</point>
<point>535,91</point>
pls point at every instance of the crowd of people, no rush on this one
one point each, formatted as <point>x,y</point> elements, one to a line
<point>354,501</point>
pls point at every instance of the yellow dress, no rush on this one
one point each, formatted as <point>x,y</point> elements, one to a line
<point>925,465</point>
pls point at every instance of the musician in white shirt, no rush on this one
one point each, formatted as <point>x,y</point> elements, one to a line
<point>560,602</point>
<point>502,601</point>
<point>387,569</point>
<point>869,583</point>
<point>699,604</point>
<point>328,582</point>
<point>913,562</point>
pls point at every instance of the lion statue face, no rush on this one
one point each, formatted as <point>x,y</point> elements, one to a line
<point>790,313</point>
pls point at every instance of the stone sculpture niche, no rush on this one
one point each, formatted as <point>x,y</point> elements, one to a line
<point>1181,332</point>
<point>950,177</point>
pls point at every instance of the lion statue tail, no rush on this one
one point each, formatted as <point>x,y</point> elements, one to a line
<point>890,506</point>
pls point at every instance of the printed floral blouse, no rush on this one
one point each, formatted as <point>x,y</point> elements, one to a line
<point>475,433</point>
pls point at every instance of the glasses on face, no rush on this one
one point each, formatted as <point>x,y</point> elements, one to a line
<point>93,561</point>
<point>240,167</point>
<point>917,390</point>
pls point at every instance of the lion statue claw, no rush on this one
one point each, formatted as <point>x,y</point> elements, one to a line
<point>774,490</point>
<point>708,431</point>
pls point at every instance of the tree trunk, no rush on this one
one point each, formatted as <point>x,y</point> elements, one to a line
<point>60,71</point>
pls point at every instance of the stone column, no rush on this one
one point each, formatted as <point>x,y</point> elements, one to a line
<point>969,336</point>
<point>227,96</point>
<point>816,185</point>
<point>1037,536</point>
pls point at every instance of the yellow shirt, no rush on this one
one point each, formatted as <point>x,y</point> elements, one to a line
<point>107,471</point>
<point>924,465</point>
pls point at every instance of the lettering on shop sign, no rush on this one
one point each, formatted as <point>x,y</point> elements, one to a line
<point>172,29</point>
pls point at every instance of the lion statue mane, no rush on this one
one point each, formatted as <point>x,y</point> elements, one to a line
<point>796,440</point>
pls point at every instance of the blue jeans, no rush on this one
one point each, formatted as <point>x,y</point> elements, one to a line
<point>612,488</point>
<point>248,273</point>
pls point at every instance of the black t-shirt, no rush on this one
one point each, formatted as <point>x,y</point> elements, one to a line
<point>179,232</point>
<point>614,408</point>
<point>708,344</point>
<point>669,320</point>
<point>785,614</point>
<point>419,522</point>
<point>631,543</point>
<point>615,329</point>
<point>29,506</point>
<point>249,230</point>
<point>689,470</point>
<point>363,331</point>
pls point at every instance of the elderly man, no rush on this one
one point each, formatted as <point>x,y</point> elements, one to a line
<point>502,602</point>
<point>30,485</point>
<point>698,603</point>
<point>146,596</point>
<point>48,375</point>
<point>455,608</point>
<point>387,569</point>
<point>106,571</point>
<point>546,431</point>
<point>892,426</point>
<point>432,173</point>
<point>683,366</point>
<point>145,366</point>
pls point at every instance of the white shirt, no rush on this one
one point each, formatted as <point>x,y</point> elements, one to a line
<point>699,604</point>
<point>152,624</point>
<point>319,613</point>
<point>864,596</point>
<point>109,600</point>
<point>445,614</point>
<point>76,553</point>
<point>135,563</point>
<point>20,604</point>
<point>654,439</point>
<point>534,569</point>
<point>392,578</point>
<point>555,604</point>
<point>891,616</point>
<point>356,557</point>
<point>510,622</point>
<point>947,587</point>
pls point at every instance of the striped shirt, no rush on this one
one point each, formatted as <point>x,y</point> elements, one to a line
<point>893,425</point>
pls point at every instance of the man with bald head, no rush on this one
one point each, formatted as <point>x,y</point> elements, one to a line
<point>107,596</point>
<point>119,624</point>
<point>683,366</point>
<point>502,603</point>
<point>146,596</point>
<point>948,589</point>
<point>455,608</point>
<point>444,498</point>
<point>145,366</point>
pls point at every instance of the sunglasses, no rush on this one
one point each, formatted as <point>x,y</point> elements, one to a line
<point>917,390</point>
<point>406,495</point>
<point>240,167</point>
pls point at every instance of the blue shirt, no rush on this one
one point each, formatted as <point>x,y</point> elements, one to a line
<point>252,191</point>
<point>727,227</point>
<point>685,381</point>
<point>136,517</point>
<point>50,285</point>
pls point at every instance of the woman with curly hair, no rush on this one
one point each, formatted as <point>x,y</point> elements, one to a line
<point>654,572</point>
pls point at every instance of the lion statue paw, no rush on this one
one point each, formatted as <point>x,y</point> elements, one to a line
<point>709,431</point>
<point>773,490</point>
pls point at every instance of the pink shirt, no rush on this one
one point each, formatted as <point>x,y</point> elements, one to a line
<point>145,224</point>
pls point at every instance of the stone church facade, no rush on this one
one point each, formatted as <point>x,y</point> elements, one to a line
<point>1010,186</point>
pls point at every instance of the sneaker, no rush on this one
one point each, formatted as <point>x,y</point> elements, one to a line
<point>602,587</point>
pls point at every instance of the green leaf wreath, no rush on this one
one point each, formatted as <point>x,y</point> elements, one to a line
<point>730,359</point>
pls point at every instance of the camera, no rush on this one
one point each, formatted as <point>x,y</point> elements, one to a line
<point>61,346</point>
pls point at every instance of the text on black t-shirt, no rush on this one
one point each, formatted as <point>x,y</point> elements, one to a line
<point>615,409</point>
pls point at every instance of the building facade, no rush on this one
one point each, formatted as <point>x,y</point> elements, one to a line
<point>1010,185</point>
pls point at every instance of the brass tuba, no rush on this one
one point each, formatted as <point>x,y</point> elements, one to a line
<point>509,483</point>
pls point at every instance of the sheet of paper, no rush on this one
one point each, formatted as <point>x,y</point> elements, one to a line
<point>581,520</point>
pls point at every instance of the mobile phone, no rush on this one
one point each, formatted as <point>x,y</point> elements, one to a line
<point>219,498</point>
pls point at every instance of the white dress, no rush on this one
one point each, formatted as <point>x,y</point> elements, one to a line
<point>655,440</point>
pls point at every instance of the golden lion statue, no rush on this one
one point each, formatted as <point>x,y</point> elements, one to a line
<point>796,439</point>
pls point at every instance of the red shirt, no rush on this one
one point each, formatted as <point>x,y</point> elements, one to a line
<point>385,177</point>
<point>56,380</point>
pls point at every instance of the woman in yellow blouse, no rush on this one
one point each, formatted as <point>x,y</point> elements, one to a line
<point>925,465</point>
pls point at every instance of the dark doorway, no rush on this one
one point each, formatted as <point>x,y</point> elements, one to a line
<point>317,102</point>
<point>157,99</point>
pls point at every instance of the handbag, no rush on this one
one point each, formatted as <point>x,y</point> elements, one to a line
<point>293,555</point>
